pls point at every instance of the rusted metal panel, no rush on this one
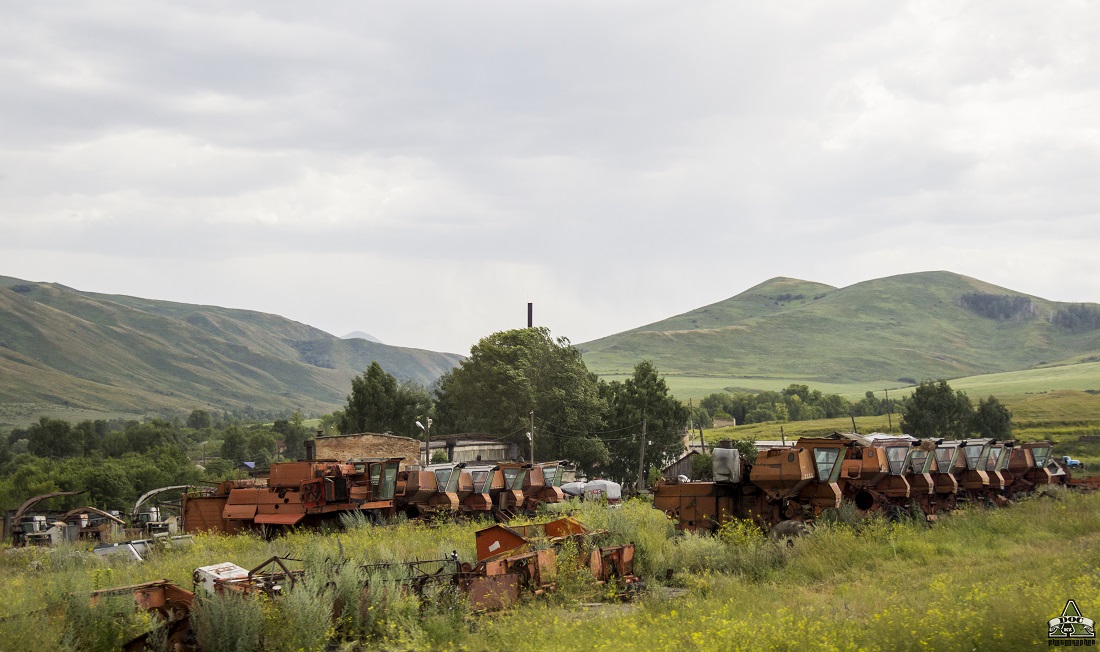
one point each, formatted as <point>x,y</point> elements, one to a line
<point>493,591</point>
<point>497,540</point>
<point>290,474</point>
<point>203,514</point>
<point>239,512</point>
<point>279,519</point>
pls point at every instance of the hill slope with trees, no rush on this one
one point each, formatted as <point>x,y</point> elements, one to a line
<point>64,347</point>
<point>897,329</point>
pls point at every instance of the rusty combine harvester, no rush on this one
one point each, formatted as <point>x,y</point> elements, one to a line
<point>296,493</point>
<point>976,466</point>
<point>877,473</point>
<point>795,483</point>
<point>887,473</point>
<point>1027,467</point>
<point>305,493</point>
<point>434,489</point>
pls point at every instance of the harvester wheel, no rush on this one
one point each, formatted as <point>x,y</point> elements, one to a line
<point>788,531</point>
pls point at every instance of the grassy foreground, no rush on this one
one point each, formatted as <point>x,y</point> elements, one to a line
<point>979,579</point>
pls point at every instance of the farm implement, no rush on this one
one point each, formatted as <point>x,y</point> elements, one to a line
<point>513,561</point>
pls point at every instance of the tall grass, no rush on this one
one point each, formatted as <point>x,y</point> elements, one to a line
<point>978,579</point>
<point>981,579</point>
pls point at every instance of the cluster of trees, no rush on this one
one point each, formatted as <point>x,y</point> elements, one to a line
<point>1001,307</point>
<point>1078,318</point>
<point>935,410</point>
<point>795,403</point>
<point>378,403</point>
<point>116,461</point>
<point>524,381</point>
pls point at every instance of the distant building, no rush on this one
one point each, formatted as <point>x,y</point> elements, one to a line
<point>466,447</point>
<point>364,445</point>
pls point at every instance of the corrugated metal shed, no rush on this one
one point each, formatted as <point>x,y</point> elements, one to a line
<point>680,467</point>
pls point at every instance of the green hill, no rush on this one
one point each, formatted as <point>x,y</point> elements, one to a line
<point>87,351</point>
<point>882,332</point>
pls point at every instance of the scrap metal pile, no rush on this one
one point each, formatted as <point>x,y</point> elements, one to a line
<point>875,473</point>
<point>512,561</point>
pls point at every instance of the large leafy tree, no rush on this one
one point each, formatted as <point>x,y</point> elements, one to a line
<point>53,438</point>
<point>642,399</point>
<point>378,403</point>
<point>991,419</point>
<point>935,410</point>
<point>516,375</point>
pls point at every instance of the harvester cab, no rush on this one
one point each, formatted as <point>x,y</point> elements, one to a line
<point>516,478</point>
<point>425,490</point>
<point>544,485</point>
<point>828,457</point>
<point>379,476</point>
<point>1028,465</point>
<point>919,468</point>
<point>943,475</point>
<point>485,482</point>
<point>969,466</point>
<point>996,462</point>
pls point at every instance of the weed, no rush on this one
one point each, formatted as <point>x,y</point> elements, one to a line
<point>229,622</point>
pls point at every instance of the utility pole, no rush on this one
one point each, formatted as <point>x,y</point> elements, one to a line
<point>889,411</point>
<point>641,458</point>
<point>532,436</point>
<point>427,439</point>
<point>854,429</point>
<point>691,423</point>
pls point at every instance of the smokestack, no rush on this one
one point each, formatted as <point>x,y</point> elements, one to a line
<point>530,314</point>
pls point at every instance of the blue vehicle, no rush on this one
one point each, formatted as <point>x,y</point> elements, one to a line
<point>1071,463</point>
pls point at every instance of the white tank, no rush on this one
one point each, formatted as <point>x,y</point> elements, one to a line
<point>603,489</point>
<point>727,465</point>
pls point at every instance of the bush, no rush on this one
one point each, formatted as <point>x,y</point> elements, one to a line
<point>228,623</point>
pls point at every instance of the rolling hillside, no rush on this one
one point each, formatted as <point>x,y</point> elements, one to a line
<point>82,350</point>
<point>895,330</point>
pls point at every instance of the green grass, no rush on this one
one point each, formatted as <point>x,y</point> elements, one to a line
<point>1007,385</point>
<point>887,587</point>
<point>978,579</point>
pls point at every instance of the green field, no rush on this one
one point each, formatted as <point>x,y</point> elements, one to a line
<point>1006,385</point>
<point>976,580</point>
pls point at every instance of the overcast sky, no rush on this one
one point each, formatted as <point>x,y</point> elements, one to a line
<point>422,170</point>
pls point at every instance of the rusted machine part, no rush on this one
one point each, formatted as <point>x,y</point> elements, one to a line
<point>31,501</point>
<point>170,602</point>
<point>269,578</point>
<point>91,510</point>
<point>297,493</point>
<point>1091,483</point>
<point>508,552</point>
<point>149,494</point>
<point>491,592</point>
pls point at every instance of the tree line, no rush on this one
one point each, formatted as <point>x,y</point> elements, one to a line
<point>116,461</point>
<point>795,403</point>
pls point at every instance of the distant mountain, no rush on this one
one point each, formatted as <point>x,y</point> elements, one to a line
<point>361,336</point>
<point>83,350</point>
<point>907,327</point>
